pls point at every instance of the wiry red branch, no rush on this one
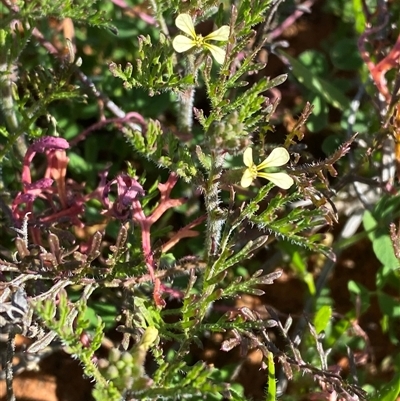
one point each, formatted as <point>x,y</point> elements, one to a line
<point>391,60</point>
<point>145,223</point>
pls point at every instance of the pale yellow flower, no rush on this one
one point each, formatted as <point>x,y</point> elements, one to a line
<point>277,158</point>
<point>183,43</point>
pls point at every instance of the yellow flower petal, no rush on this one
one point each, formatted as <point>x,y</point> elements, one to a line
<point>278,157</point>
<point>217,52</point>
<point>220,34</point>
<point>281,180</point>
<point>247,178</point>
<point>149,338</point>
<point>184,23</point>
<point>182,43</point>
<point>248,157</point>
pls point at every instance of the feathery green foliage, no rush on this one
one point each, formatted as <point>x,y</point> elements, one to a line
<point>121,161</point>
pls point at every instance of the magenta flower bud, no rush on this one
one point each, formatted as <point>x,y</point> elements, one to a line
<point>49,142</point>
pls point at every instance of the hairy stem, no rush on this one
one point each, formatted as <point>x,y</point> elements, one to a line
<point>9,366</point>
<point>7,106</point>
<point>160,18</point>
<point>215,216</point>
<point>186,98</point>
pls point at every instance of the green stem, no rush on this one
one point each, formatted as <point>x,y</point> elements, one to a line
<point>160,18</point>
<point>91,370</point>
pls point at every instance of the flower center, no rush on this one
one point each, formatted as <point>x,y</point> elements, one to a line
<point>253,170</point>
<point>199,40</point>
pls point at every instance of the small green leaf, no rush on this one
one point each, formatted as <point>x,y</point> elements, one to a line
<point>331,143</point>
<point>318,85</point>
<point>78,164</point>
<point>105,310</point>
<point>345,55</point>
<point>360,18</point>
<point>389,306</point>
<point>362,292</point>
<point>390,391</point>
<point>381,242</point>
<point>318,120</point>
<point>322,318</point>
<point>315,61</point>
